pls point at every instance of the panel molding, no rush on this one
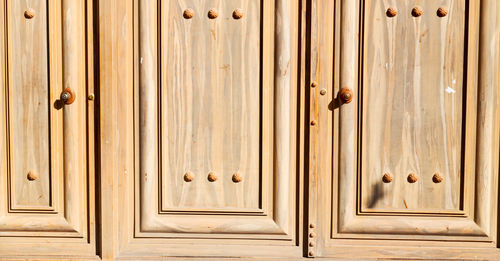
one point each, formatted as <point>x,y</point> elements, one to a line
<point>341,227</point>
<point>276,216</point>
<point>69,227</point>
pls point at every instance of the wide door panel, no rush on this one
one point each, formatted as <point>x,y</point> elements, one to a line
<point>214,120</point>
<point>408,155</point>
<point>46,189</point>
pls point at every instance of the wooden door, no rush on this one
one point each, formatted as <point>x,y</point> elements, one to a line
<point>404,129</point>
<point>200,149</point>
<point>46,170</point>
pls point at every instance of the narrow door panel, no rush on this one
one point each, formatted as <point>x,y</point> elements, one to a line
<point>412,106</point>
<point>46,192</point>
<point>210,105</point>
<point>28,100</point>
<point>407,160</point>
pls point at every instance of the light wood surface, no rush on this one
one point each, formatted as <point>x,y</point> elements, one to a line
<point>412,106</point>
<point>231,111</point>
<point>210,104</point>
<point>349,143</point>
<point>47,182</point>
<point>29,108</point>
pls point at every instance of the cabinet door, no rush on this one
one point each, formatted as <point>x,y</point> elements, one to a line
<point>46,182</point>
<point>404,145</point>
<point>210,124</point>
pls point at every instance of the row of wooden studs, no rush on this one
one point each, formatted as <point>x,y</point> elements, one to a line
<point>416,11</point>
<point>236,178</point>
<point>412,178</point>
<point>212,13</point>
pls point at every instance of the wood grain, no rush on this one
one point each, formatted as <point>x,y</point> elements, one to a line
<point>29,108</point>
<point>413,111</point>
<point>210,104</point>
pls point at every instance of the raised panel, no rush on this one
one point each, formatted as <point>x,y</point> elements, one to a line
<point>216,113</point>
<point>413,101</point>
<point>28,104</point>
<point>45,182</point>
<point>210,106</point>
<point>423,103</point>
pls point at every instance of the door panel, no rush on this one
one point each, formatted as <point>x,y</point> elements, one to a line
<point>405,162</point>
<point>28,105</point>
<point>46,189</point>
<point>210,106</point>
<point>412,107</point>
<point>207,127</point>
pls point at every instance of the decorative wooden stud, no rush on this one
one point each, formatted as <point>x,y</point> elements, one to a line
<point>345,95</point>
<point>322,91</point>
<point>212,177</point>
<point>30,13</point>
<point>391,11</point>
<point>237,13</point>
<point>212,14</point>
<point>31,176</point>
<point>442,12</point>
<point>417,11</point>
<point>314,84</point>
<point>312,235</point>
<point>188,177</point>
<point>436,178</point>
<point>312,244</point>
<point>188,13</point>
<point>312,225</point>
<point>311,253</point>
<point>313,123</point>
<point>237,178</point>
<point>412,178</point>
<point>387,178</point>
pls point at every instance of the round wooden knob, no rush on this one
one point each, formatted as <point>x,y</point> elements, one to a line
<point>30,13</point>
<point>417,11</point>
<point>188,13</point>
<point>31,176</point>
<point>67,96</point>
<point>387,178</point>
<point>442,12</point>
<point>345,95</point>
<point>237,13</point>
<point>237,178</point>
<point>188,177</point>
<point>391,11</point>
<point>436,178</point>
<point>212,177</point>
<point>212,14</point>
<point>412,178</point>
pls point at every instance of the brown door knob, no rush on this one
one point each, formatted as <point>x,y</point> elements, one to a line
<point>67,96</point>
<point>345,95</point>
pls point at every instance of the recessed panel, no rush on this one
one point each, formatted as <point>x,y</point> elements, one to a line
<point>412,105</point>
<point>210,105</point>
<point>28,103</point>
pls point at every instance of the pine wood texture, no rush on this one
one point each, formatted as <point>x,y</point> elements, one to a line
<point>210,104</point>
<point>29,108</point>
<point>412,106</point>
<point>224,89</point>
<point>388,218</point>
<point>47,182</point>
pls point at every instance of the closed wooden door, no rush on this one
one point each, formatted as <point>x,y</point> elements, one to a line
<point>207,132</point>
<point>46,181</point>
<point>404,129</point>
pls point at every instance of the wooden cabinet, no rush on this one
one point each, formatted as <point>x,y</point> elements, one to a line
<point>282,129</point>
<point>46,156</point>
<point>408,168</point>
